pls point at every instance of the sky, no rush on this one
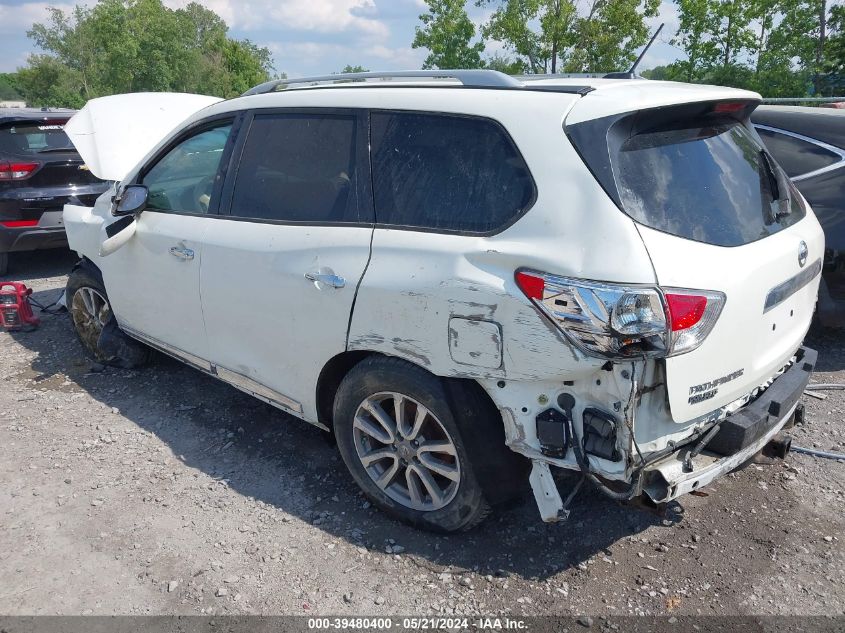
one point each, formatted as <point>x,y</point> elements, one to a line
<point>310,37</point>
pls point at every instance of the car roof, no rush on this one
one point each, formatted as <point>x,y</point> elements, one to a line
<point>34,114</point>
<point>823,124</point>
<point>596,96</point>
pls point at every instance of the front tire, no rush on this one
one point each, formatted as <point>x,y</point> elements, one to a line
<point>402,444</point>
<point>90,312</point>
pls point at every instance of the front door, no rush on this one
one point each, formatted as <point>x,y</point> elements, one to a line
<point>153,280</point>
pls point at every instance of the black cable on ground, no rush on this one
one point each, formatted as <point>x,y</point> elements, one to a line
<point>815,453</point>
<point>48,308</point>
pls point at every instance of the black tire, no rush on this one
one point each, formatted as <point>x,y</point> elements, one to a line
<point>4,263</point>
<point>114,348</point>
<point>469,505</point>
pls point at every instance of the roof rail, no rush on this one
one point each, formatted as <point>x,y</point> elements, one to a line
<point>475,78</point>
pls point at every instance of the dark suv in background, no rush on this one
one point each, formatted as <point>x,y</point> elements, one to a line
<point>809,143</point>
<point>40,171</point>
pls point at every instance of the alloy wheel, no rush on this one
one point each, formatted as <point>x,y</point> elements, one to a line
<point>90,312</point>
<point>406,451</point>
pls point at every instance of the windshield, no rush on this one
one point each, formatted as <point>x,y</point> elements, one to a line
<point>710,182</point>
<point>34,137</point>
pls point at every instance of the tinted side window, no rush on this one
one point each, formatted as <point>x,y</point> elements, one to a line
<point>449,173</point>
<point>183,180</point>
<point>794,155</point>
<point>298,168</point>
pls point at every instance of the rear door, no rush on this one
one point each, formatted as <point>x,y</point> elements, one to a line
<point>716,213</point>
<point>280,271</point>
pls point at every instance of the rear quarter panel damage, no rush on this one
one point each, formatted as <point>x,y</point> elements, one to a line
<point>420,285</point>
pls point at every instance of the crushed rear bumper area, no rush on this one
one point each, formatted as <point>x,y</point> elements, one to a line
<point>741,435</point>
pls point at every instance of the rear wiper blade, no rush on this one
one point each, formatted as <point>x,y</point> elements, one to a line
<point>57,149</point>
<point>774,185</point>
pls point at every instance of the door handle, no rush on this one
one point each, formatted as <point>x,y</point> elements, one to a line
<point>335,281</point>
<point>181,252</point>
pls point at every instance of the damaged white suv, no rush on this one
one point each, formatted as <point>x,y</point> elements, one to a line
<point>465,276</point>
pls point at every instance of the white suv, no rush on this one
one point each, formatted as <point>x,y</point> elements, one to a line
<point>466,277</point>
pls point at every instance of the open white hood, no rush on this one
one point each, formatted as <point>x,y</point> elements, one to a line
<point>112,134</point>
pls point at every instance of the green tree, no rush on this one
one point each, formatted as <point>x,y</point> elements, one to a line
<point>551,34</point>
<point>9,87</point>
<point>773,46</point>
<point>609,35</point>
<point>447,33</point>
<point>511,23</point>
<point>137,45</point>
<point>834,54</point>
<point>505,65</point>
<point>697,23</point>
<point>835,48</point>
<point>354,69</point>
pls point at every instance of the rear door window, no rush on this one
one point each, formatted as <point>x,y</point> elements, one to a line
<point>447,173</point>
<point>300,167</point>
<point>795,155</point>
<point>34,137</point>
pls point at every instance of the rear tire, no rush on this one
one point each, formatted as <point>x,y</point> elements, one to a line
<point>90,312</point>
<point>4,263</point>
<point>402,441</point>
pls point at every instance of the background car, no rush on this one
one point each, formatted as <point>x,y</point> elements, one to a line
<point>809,143</point>
<point>40,171</point>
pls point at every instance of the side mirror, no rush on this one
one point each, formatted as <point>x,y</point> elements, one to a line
<point>117,234</point>
<point>132,200</point>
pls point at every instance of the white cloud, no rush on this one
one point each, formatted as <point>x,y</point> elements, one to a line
<point>321,16</point>
<point>18,19</point>
<point>397,57</point>
<point>668,13</point>
<point>320,54</point>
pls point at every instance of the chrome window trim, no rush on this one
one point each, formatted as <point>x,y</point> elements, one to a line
<point>830,148</point>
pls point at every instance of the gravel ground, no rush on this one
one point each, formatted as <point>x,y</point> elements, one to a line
<point>164,491</point>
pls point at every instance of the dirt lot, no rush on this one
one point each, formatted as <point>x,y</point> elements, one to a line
<point>164,491</point>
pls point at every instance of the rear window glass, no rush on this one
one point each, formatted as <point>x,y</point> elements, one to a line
<point>710,182</point>
<point>447,173</point>
<point>796,156</point>
<point>34,137</point>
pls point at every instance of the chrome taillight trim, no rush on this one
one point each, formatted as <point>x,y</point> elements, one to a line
<point>583,311</point>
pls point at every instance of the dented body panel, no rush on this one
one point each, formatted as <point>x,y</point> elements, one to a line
<point>271,305</point>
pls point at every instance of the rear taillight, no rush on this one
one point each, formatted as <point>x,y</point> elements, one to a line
<point>18,224</point>
<point>618,321</point>
<point>17,171</point>
<point>693,313</point>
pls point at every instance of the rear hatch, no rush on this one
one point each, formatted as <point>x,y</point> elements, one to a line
<point>716,214</point>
